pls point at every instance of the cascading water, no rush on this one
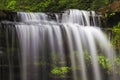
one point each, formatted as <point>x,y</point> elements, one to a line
<point>67,48</point>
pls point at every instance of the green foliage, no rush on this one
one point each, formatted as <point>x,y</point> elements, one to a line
<point>51,5</point>
<point>107,15</point>
<point>116,37</point>
<point>41,6</point>
<point>11,5</point>
<point>99,3</point>
<point>104,62</point>
<point>60,71</point>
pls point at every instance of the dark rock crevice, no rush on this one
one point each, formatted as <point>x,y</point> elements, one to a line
<point>6,15</point>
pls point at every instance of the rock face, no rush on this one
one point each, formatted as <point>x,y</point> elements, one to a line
<point>113,7</point>
<point>113,19</point>
<point>110,14</point>
<point>7,15</point>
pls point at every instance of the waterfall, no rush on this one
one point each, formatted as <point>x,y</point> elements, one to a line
<point>64,46</point>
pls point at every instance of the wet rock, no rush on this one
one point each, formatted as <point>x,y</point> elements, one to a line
<point>6,15</point>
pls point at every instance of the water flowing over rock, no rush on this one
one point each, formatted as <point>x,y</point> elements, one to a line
<point>66,46</point>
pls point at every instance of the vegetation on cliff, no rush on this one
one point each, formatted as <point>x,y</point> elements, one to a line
<point>52,5</point>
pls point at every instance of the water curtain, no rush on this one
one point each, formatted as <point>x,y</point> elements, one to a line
<point>59,46</point>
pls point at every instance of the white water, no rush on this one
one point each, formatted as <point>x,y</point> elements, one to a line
<point>42,44</point>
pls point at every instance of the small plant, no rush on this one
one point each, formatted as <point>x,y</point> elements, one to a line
<point>11,5</point>
<point>60,71</point>
<point>116,36</point>
<point>104,62</point>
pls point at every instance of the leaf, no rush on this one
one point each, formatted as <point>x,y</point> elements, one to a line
<point>11,5</point>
